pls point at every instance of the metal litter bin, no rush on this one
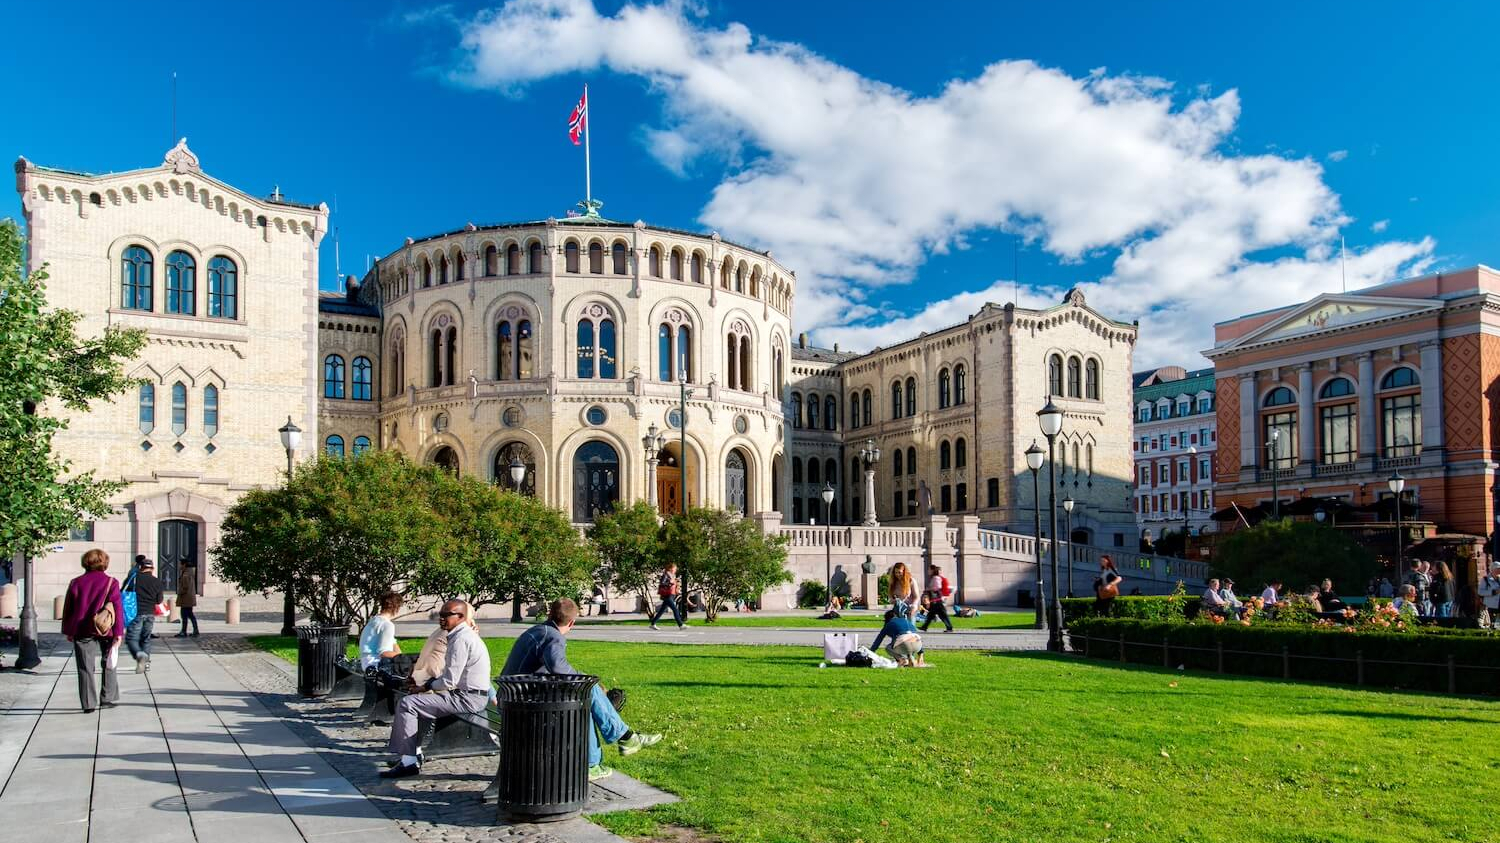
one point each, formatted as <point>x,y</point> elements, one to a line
<point>1024,600</point>
<point>544,746</point>
<point>318,650</point>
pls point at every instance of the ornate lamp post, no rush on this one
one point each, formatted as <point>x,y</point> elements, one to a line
<point>654,442</point>
<point>28,655</point>
<point>683,394</point>
<point>517,477</point>
<point>1398,484</point>
<point>1051,418</point>
<point>1034,457</point>
<point>828,542</point>
<point>869,455</point>
<point>1275,491</point>
<point>1068,505</point>
<point>291,438</point>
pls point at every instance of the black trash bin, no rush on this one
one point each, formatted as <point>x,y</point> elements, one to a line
<point>544,746</point>
<point>1024,599</point>
<point>318,648</point>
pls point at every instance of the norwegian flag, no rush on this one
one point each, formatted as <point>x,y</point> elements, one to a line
<point>578,121</point>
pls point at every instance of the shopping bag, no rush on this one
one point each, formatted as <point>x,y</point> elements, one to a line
<point>127,599</point>
<point>837,645</point>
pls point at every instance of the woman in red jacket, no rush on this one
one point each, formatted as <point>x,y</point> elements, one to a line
<point>88,595</point>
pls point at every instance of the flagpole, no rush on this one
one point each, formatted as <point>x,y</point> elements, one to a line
<point>588,178</point>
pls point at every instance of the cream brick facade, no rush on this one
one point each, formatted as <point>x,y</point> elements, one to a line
<point>180,472</point>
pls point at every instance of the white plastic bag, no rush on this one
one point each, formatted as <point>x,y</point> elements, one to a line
<point>837,645</point>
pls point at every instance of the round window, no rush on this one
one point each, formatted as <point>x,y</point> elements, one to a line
<point>674,419</point>
<point>595,415</point>
<point>741,424</point>
<point>511,417</point>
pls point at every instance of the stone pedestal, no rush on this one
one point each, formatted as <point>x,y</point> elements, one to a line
<point>869,589</point>
<point>232,611</point>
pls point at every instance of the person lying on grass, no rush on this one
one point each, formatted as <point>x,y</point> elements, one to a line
<point>906,644</point>
<point>543,649</point>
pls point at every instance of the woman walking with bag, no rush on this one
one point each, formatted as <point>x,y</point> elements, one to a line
<point>94,620</point>
<point>187,596</point>
<point>1106,586</point>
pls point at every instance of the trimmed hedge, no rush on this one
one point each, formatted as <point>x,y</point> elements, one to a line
<point>1151,607</point>
<point>1314,653</point>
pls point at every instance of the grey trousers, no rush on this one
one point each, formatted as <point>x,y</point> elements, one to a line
<point>83,654</point>
<point>406,733</point>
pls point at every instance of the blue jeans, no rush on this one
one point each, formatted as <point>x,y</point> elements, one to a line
<point>608,722</point>
<point>138,633</point>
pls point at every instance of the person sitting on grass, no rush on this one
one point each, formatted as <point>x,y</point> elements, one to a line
<point>462,688</point>
<point>1407,604</point>
<point>906,644</point>
<point>544,649</point>
<point>1212,601</point>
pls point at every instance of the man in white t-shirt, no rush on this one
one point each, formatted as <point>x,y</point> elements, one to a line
<point>378,639</point>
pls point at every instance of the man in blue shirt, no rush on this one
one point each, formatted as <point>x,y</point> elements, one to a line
<point>906,644</point>
<point>542,649</point>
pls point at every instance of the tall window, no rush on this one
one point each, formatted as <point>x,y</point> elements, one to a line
<point>868,406</point>
<point>210,410</point>
<point>830,413</point>
<point>739,279</point>
<point>182,283</point>
<point>697,268</point>
<point>1337,423</point>
<point>911,396</point>
<point>896,469</point>
<point>570,257</point>
<point>896,400</point>
<point>514,349</point>
<point>653,262</point>
<point>737,345</point>
<point>491,260</point>
<point>362,379</point>
<point>361,444</point>
<point>435,356</point>
<point>333,446</point>
<point>458,266</point>
<point>685,351</point>
<point>426,272</point>
<point>911,460</point>
<point>135,279</point>
<point>223,288</point>
<point>1091,380</point>
<point>148,408</point>
<point>586,349</point>
<point>608,362</point>
<point>813,406</point>
<point>796,469</point>
<point>512,259</point>
<point>534,257</point>
<point>960,453</point>
<point>664,353</point>
<point>945,385</point>
<point>797,410</point>
<point>596,258</point>
<point>442,269</point>
<point>617,252</point>
<point>854,410</point>
<point>945,457</point>
<point>1279,429</point>
<point>960,384</point>
<point>814,472</point>
<point>777,363</point>
<point>674,352</point>
<point>333,376</point>
<point>1075,378</point>
<point>1400,413</point>
<point>676,264</point>
<point>1055,375</point>
<point>179,408</point>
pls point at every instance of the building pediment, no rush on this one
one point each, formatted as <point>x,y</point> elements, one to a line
<point>1331,312</point>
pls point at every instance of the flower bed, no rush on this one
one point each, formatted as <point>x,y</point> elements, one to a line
<point>1457,661</point>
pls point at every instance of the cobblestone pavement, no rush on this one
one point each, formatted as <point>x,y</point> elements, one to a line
<point>444,804</point>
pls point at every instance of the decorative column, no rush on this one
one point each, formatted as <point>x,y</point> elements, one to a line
<point>1307,451</point>
<point>653,442</point>
<point>1432,399</point>
<point>870,519</point>
<point>1366,406</point>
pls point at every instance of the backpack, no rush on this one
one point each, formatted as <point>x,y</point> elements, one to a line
<point>947,589</point>
<point>858,658</point>
<point>664,586</point>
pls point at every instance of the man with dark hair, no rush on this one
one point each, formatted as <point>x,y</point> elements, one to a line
<point>148,592</point>
<point>543,649</point>
<point>462,688</point>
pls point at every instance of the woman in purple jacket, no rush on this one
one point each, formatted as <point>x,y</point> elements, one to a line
<point>87,595</point>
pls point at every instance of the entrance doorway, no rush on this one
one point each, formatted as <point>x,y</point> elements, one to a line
<point>176,545</point>
<point>668,489</point>
<point>596,481</point>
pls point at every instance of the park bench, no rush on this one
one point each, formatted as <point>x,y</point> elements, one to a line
<point>349,681</point>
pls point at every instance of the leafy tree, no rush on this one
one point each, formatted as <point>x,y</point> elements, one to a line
<point>628,541</point>
<point>1296,552</point>
<point>724,555</point>
<point>42,360</point>
<point>341,533</point>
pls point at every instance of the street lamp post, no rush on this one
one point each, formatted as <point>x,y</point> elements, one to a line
<point>828,542</point>
<point>653,441</point>
<point>683,394</point>
<point>1051,418</point>
<point>1397,484</point>
<point>517,477</point>
<point>1275,490</point>
<point>291,438</point>
<point>28,654</point>
<point>1034,457</point>
<point>869,455</point>
<point>1068,505</point>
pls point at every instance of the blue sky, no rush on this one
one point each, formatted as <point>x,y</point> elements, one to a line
<point>1185,166</point>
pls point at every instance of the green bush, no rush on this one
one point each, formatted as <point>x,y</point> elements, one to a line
<point>883,587</point>
<point>1177,606</point>
<point>1394,660</point>
<point>812,594</point>
<point>1296,552</point>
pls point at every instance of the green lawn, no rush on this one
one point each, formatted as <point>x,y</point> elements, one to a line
<point>986,620</point>
<point>764,746</point>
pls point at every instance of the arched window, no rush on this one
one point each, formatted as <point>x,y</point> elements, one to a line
<point>797,410</point>
<point>911,460</point>
<point>814,471</point>
<point>755,284</point>
<point>1336,388</point>
<point>179,408</point>
<point>148,408</point>
<point>426,272</point>
<point>505,351</point>
<point>608,362</point>
<point>534,257</point>
<point>960,384</point>
<point>442,270</point>
<point>362,379</point>
<point>333,376</point>
<point>1279,429</point>
<point>435,356</point>
<point>182,283</point>
<point>664,352</point>
<point>830,413</point>
<point>831,471</point>
<point>685,352</point>
<point>676,264</point>
<point>945,456</point>
<point>796,469</point>
<point>737,346</point>
<point>960,453</point>
<point>725,271</point>
<point>778,363</point>
<point>513,259</point>
<point>596,258</point>
<point>1091,380</point>
<point>361,444</point>
<point>398,365</point>
<point>944,386</point>
<point>896,464</point>
<point>813,406</point>
<point>1401,413</point>
<point>896,400</point>
<point>1055,375</point>
<point>653,261</point>
<point>597,349</point>
<point>854,421</point>
<point>491,260</point>
<point>618,253</point>
<point>135,279</point>
<point>1089,457</point>
<point>508,454</point>
<point>223,288</point>
<point>911,396</point>
<point>586,349</point>
<point>739,279</point>
<point>451,356</point>
<point>210,410</point>
<point>868,407</point>
<point>458,266</point>
<point>1278,397</point>
<point>1075,378</point>
<point>570,256</point>
<point>333,446</point>
<point>1399,377</point>
<point>697,268</point>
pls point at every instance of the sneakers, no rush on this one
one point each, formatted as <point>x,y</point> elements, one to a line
<point>140,664</point>
<point>146,660</point>
<point>401,771</point>
<point>599,771</point>
<point>637,742</point>
<point>654,626</point>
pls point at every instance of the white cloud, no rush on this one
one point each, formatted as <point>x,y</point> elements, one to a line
<point>1380,226</point>
<point>1338,155</point>
<point>855,182</point>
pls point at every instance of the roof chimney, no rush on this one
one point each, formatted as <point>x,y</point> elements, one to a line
<point>802,340</point>
<point>835,348</point>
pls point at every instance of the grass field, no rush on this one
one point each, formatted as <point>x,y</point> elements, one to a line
<point>987,620</point>
<point>763,746</point>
